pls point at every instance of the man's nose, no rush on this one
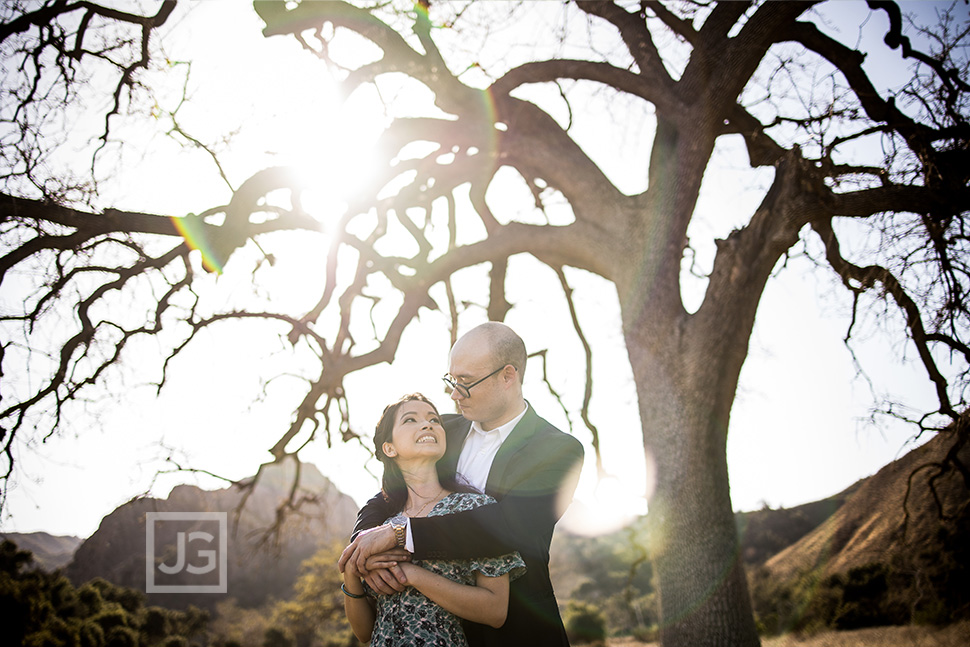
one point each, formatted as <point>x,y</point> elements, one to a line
<point>455,395</point>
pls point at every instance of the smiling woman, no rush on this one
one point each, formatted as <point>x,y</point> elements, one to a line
<point>417,434</point>
<point>409,441</point>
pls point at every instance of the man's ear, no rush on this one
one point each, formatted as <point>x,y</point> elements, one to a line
<point>509,374</point>
<point>389,450</point>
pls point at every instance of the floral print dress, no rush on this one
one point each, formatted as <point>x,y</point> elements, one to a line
<point>409,619</point>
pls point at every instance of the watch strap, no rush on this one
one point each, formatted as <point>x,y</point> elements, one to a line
<point>399,525</point>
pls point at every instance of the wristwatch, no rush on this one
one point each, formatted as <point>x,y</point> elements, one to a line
<point>399,524</point>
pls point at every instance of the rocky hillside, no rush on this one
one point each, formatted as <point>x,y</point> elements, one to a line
<point>899,511</point>
<point>897,551</point>
<point>50,551</point>
<point>765,533</point>
<point>260,566</point>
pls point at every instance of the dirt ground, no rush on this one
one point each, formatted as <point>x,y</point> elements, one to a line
<point>955,635</point>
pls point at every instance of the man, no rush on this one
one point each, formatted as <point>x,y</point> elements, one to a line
<point>501,446</point>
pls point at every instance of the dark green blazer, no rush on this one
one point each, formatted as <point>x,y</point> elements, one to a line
<point>532,478</point>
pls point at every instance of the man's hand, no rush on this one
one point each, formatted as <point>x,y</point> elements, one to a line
<point>374,557</point>
<point>368,543</point>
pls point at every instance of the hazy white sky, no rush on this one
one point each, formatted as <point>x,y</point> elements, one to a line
<point>797,432</point>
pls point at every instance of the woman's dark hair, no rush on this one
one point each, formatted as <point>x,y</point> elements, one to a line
<point>393,487</point>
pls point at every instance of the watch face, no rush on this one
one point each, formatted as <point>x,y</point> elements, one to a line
<point>399,519</point>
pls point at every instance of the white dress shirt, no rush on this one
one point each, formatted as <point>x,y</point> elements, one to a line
<point>479,451</point>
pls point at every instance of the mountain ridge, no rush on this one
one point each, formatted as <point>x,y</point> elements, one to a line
<point>262,557</point>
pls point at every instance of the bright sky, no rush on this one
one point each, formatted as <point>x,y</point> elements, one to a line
<point>797,430</point>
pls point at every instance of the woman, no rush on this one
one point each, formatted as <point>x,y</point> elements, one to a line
<point>409,441</point>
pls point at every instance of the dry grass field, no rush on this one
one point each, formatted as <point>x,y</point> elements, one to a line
<point>955,635</point>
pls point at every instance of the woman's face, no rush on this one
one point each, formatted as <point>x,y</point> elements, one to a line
<point>417,433</point>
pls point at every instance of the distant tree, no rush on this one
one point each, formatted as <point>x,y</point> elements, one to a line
<point>846,161</point>
<point>237,626</point>
<point>315,613</point>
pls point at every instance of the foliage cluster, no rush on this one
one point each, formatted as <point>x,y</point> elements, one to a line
<point>45,609</point>
<point>312,617</point>
<point>38,608</point>
<point>607,575</point>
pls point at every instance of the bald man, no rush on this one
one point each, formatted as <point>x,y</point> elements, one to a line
<point>502,447</point>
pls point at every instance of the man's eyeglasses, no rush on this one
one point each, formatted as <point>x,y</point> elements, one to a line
<point>464,389</point>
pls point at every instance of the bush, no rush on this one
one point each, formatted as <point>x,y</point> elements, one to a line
<point>122,637</point>
<point>91,635</point>
<point>864,592</point>
<point>585,623</point>
<point>276,637</point>
<point>649,634</point>
<point>112,617</point>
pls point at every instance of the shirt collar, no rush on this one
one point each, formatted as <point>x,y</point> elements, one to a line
<point>503,431</point>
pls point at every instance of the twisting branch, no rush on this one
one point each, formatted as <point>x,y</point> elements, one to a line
<point>588,351</point>
<point>126,81</point>
<point>861,279</point>
<point>63,36</point>
<point>959,429</point>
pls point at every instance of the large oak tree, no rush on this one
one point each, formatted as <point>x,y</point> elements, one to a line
<point>845,156</point>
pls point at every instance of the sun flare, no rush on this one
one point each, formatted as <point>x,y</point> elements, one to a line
<point>608,508</point>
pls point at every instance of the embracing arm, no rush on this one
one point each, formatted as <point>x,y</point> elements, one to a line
<point>373,514</point>
<point>487,602</point>
<point>546,474</point>
<point>359,608</point>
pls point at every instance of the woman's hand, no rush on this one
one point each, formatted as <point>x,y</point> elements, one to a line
<point>388,581</point>
<point>387,559</point>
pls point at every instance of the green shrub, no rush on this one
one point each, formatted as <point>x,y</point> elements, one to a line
<point>111,617</point>
<point>584,622</point>
<point>157,623</point>
<point>649,634</point>
<point>121,637</point>
<point>276,637</point>
<point>43,638</point>
<point>91,635</point>
<point>863,601</point>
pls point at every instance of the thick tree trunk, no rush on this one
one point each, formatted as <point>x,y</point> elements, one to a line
<point>694,545</point>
